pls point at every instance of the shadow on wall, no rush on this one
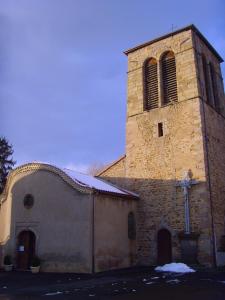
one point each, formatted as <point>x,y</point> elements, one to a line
<point>165,199</point>
<point>161,205</point>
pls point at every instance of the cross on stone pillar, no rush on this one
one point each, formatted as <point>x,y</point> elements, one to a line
<point>186,184</point>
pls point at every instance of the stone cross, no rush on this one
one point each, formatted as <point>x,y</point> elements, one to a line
<point>186,184</point>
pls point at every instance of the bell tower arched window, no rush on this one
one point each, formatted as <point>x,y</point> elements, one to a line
<point>169,77</point>
<point>215,95</point>
<point>151,94</point>
<point>206,79</point>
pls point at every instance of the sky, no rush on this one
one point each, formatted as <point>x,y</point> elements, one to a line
<point>63,71</point>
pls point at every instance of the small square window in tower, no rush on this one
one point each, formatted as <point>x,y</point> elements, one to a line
<point>160,129</point>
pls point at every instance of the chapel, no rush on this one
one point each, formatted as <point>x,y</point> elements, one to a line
<point>163,201</point>
<point>73,222</point>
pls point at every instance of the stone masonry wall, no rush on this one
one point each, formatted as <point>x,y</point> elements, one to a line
<point>202,49</point>
<point>214,143</point>
<point>153,164</point>
<point>115,173</point>
<point>215,129</point>
<point>153,167</point>
<point>182,45</point>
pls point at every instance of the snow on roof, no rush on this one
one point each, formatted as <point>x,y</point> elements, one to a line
<point>90,181</point>
<point>95,183</point>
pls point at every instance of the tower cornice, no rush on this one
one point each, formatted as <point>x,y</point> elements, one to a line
<point>189,27</point>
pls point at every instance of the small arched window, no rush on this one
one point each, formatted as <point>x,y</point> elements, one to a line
<point>28,201</point>
<point>169,77</point>
<point>151,94</point>
<point>206,79</point>
<point>131,226</point>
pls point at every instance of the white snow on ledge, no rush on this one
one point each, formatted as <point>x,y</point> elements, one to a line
<point>175,267</point>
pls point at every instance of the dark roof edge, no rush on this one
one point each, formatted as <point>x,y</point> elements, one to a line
<point>128,195</point>
<point>189,27</point>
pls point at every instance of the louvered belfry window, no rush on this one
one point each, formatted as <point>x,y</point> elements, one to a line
<point>213,76</point>
<point>151,84</point>
<point>169,77</point>
<point>206,79</point>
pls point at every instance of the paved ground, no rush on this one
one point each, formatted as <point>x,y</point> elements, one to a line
<point>141,284</point>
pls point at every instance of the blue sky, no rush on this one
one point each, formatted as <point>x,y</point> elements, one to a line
<point>63,71</point>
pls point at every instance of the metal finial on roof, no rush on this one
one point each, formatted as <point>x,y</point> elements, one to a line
<point>173,28</point>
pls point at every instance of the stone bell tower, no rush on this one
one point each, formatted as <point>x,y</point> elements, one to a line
<point>176,126</point>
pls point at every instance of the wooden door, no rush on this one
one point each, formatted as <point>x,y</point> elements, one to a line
<point>164,247</point>
<point>25,249</point>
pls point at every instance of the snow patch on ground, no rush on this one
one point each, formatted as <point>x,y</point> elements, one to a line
<point>173,281</point>
<point>53,294</point>
<point>150,282</point>
<point>175,267</point>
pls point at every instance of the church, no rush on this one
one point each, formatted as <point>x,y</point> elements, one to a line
<point>163,201</point>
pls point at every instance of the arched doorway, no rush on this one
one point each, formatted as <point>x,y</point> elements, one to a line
<point>25,249</point>
<point>164,247</point>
